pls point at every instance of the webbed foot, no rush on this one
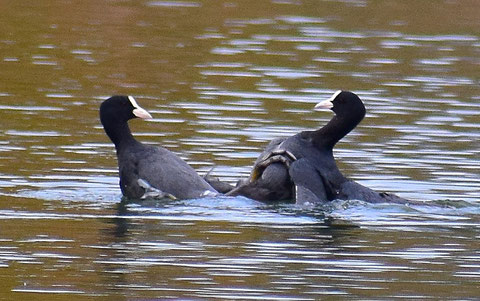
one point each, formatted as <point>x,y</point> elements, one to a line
<point>276,156</point>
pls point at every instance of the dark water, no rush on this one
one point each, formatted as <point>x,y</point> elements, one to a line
<point>222,78</point>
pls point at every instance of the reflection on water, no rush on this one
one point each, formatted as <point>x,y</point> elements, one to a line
<point>237,248</point>
<point>221,80</point>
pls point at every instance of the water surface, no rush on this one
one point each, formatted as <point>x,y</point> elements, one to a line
<point>223,78</point>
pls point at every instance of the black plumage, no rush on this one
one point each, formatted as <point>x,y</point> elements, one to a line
<point>302,167</point>
<point>146,168</point>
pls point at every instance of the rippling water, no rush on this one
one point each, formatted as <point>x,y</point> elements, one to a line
<point>222,78</point>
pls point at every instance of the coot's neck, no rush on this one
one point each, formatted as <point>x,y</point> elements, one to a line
<point>337,128</point>
<point>120,134</point>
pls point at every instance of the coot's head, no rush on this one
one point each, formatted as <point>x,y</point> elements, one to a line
<point>120,109</point>
<point>344,103</point>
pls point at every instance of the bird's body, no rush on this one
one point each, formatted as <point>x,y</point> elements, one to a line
<point>302,167</point>
<point>141,164</point>
<point>161,169</point>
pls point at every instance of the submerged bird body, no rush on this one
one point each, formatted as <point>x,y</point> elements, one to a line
<point>141,164</point>
<point>302,167</point>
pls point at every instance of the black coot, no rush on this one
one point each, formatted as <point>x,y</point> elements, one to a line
<point>302,167</point>
<point>147,170</point>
